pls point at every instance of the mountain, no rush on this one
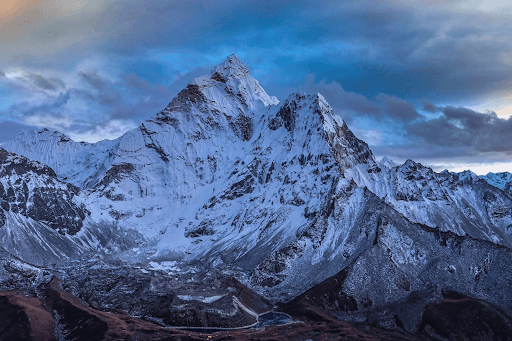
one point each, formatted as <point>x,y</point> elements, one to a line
<point>459,203</point>
<point>387,162</point>
<point>229,184</point>
<point>502,181</point>
<point>78,163</point>
<point>44,220</point>
<point>40,217</point>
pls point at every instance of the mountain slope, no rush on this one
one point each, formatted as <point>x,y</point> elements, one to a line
<point>460,203</point>
<point>407,267</point>
<point>42,219</point>
<point>79,163</point>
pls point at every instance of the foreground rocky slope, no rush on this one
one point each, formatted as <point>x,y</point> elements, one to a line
<point>226,182</point>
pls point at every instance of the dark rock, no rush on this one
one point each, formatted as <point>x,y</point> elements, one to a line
<point>50,202</point>
<point>203,229</point>
<point>242,127</point>
<point>459,317</point>
<point>219,78</point>
<point>115,173</point>
<point>286,116</point>
<point>323,297</point>
<point>239,188</point>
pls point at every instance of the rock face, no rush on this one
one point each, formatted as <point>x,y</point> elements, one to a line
<point>32,190</point>
<point>405,269</point>
<point>459,317</point>
<point>281,196</point>
<point>43,219</point>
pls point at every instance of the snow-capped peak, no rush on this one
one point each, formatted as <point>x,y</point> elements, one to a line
<point>467,174</point>
<point>231,67</point>
<point>502,180</point>
<point>73,162</point>
<point>42,135</point>
<point>232,77</point>
<point>387,162</point>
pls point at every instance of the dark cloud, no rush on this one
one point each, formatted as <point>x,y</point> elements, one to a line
<point>398,109</point>
<point>96,81</point>
<point>429,107</point>
<point>469,119</point>
<point>49,106</point>
<point>105,91</point>
<point>30,81</point>
<point>463,127</point>
<point>45,84</point>
<point>402,49</point>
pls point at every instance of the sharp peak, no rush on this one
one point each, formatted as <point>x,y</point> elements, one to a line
<point>231,67</point>
<point>232,61</point>
<point>233,73</point>
<point>387,161</point>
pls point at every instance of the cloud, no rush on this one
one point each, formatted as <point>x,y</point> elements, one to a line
<point>30,81</point>
<point>95,133</point>
<point>50,120</point>
<point>45,84</point>
<point>50,105</point>
<point>365,48</point>
<point>98,103</point>
<point>398,109</point>
<point>105,91</point>
<point>463,127</point>
<point>429,107</point>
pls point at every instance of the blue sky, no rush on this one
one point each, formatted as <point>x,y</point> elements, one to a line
<point>426,80</point>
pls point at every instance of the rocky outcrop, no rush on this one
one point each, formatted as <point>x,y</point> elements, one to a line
<point>460,317</point>
<point>31,189</point>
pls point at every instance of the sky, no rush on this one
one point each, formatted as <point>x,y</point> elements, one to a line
<point>424,80</point>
